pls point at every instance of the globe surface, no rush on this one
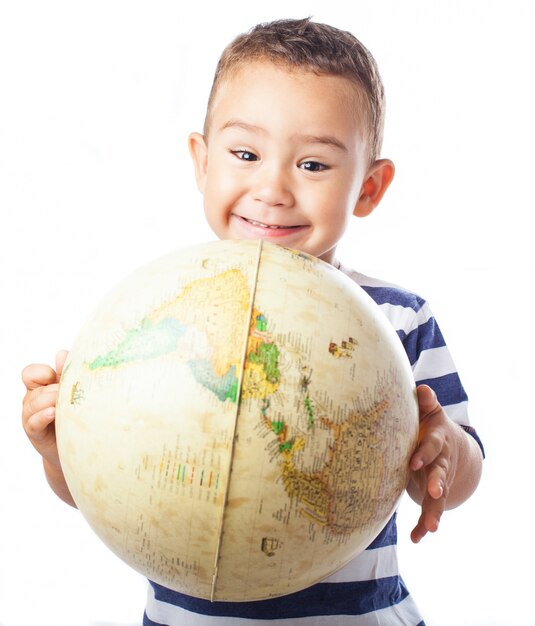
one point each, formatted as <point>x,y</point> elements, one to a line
<point>235,420</point>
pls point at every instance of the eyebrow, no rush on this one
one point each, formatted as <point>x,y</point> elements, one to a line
<point>243,125</point>
<point>326,140</point>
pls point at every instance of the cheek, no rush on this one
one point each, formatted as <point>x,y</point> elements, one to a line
<point>220,198</point>
<point>331,208</point>
<point>213,191</point>
<point>222,184</point>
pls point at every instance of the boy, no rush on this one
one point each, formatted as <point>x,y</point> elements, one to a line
<point>290,151</point>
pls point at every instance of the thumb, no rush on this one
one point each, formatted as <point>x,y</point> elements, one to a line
<point>61,357</point>
<point>427,400</point>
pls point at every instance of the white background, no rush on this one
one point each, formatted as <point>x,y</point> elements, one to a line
<point>96,101</point>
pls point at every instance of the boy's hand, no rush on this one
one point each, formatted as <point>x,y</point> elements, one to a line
<point>38,415</point>
<point>39,406</point>
<point>445,467</point>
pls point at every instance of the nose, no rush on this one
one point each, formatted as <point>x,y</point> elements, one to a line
<point>273,185</point>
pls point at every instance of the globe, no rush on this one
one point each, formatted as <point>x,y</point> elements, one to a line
<point>235,420</point>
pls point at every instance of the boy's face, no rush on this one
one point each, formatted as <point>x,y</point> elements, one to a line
<point>286,159</point>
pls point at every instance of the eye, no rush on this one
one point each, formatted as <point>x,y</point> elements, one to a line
<point>245,155</point>
<point>313,166</point>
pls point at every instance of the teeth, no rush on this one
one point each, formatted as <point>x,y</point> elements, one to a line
<point>255,223</point>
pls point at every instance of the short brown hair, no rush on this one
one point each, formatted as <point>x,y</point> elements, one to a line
<point>319,48</point>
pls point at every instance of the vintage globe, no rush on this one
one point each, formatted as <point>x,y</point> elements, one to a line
<point>235,420</point>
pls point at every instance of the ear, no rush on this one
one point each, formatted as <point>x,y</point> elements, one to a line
<point>198,150</point>
<point>376,182</point>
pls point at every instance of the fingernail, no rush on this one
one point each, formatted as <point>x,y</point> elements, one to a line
<point>417,464</point>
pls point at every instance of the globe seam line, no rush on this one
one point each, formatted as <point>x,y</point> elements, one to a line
<point>238,402</point>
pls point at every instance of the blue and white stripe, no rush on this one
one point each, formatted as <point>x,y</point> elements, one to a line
<point>424,344</point>
<point>366,592</point>
<point>369,590</point>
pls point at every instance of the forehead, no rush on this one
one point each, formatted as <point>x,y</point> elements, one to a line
<point>261,89</point>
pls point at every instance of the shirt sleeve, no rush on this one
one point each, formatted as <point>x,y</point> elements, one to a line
<point>428,354</point>
<point>433,365</point>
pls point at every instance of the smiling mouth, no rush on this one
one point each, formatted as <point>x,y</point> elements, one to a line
<point>268,226</point>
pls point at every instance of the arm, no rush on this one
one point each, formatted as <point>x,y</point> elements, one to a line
<point>38,414</point>
<point>446,466</point>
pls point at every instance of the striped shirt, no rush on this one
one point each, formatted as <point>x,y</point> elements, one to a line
<point>369,590</point>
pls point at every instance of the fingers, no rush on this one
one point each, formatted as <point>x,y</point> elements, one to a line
<point>429,519</point>
<point>34,376</point>
<point>38,414</point>
<point>38,375</point>
<point>436,482</point>
<point>37,424</point>
<point>39,400</point>
<point>432,435</point>
<point>429,449</point>
<point>434,501</point>
<point>39,404</point>
<point>39,407</point>
<point>433,462</point>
